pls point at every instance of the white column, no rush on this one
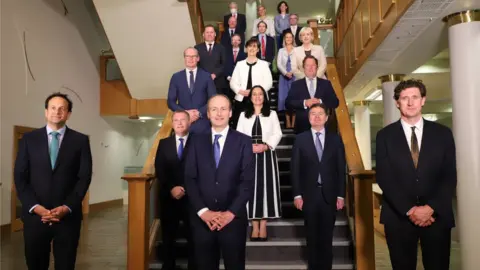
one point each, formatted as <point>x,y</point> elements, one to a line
<point>464,42</point>
<point>390,110</point>
<point>251,15</point>
<point>362,131</point>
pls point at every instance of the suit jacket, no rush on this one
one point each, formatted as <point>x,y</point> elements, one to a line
<point>261,75</point>
<point>269,49</point>
<point>226,39</point>
<point>432,183</point>
<point>299,92</point>
<point>241,22</point>
<point>305,167</point>
<point>180,98</point>
<point>271,130</point>
<point>213,63</point>
<point>298,42</point>
<point>168,167</point>
<point>318,53</point>
<point>230,64</point>
<point>228,187</point>
<point>66,184</point>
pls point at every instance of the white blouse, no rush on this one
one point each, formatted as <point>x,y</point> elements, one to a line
<point>261,75</point>
<point>271,130</point>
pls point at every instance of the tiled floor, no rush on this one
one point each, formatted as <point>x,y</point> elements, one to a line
<point>103,246</point>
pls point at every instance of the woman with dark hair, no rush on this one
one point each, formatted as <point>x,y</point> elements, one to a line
<point>261,123</point>
<point>282,22</point>
<point>247,73</point>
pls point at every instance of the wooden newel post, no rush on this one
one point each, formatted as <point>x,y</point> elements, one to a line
<point>138,220</point>
<point>364,230</point>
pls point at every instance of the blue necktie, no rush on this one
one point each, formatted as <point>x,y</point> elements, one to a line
<point>180,148</point>
<point>289,64</point>
<point>192,82</point>
<point>216,149</point>
<point>319,148</point>
<point>54,144</point>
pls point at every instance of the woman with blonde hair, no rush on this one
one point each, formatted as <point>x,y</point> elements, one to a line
<point>286,64</point>
<point>308,48</point>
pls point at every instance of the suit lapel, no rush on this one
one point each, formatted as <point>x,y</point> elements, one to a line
<point>310,145</point>
<point>45,147</point>
<point>172,146</point>
<point>425,144</point>
<point>327,147</point>
<point>208,148</point>
<point>318,90</point>
<point>63,147</point>
<point>306,93</point>
<point>227,148</point>
<point>402,144</point>
<point>196,80</point>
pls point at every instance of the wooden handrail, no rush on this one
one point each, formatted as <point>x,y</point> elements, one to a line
<point>196,17</point>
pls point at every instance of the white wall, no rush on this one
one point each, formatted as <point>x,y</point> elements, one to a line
<point>60,54</point>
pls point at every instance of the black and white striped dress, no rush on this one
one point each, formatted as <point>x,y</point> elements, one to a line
<point>266,202</point>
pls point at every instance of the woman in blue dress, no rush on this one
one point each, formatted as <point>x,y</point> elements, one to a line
<point>286,64</point>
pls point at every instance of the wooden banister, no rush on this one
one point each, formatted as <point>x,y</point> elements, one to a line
<point>196,17</point>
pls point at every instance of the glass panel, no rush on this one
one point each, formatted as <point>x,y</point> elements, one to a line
<point>113,71</point>
<point>326,40</point>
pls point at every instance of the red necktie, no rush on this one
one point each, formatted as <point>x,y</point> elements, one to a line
<point>263,46</point>
<point>234,55</point>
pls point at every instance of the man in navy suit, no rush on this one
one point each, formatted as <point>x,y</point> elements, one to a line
<point>190,90</point>
<point>309,91</point>
<point>219,179</point>
<point>53,171</point>
<point>230,32</point>
<point>318,180</point>
<point>234,54</point>
<point>267,44</point>
<point>241,19</point>
<point>169,162</point>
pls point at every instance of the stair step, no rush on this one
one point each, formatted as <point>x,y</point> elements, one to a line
<point>287,139</point>
<point>285,178</point>
<point>338,264</point>
<point>284,151</point>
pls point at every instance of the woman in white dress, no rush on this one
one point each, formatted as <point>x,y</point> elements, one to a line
<point>308,48</point>
<point>262,124</point>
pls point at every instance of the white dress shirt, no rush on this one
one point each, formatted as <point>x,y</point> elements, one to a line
<point>270,26</point>
<point>307,81</point>
<point>187,72</point>
<point>407,128</point>
<point>61,133</point>
<point>221,142</point>
<point>322,140</point>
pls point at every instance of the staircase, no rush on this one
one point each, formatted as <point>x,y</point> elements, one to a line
<point>286,247</point>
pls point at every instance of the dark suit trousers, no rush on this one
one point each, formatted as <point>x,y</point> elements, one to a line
<point>402,240</point>
<point>319,222</point>
<point>229,242</point>
<point>171,213</point>
<point>38,238</point>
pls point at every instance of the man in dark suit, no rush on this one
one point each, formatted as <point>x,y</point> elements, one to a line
<point>294,29</point>
<point>212,58</point>
<point>190,90</point>
<point>416,170</point>
<point>174,206</point>
<point>219,179</point>
<point>241,19</point>
<point>234,54</point>
<point>229,33</point>
<point>267,44</point>
<point>53,171</point>
<point>309,91</point>
<point>318,179</point>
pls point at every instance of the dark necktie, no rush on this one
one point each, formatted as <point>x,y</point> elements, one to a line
<point>209,49</point>
<point>231,33</point>
<point>216,149</point>
<point>414,147</point>
<point>180,148</point>
<point>192,82</point>
<point>319,149</point>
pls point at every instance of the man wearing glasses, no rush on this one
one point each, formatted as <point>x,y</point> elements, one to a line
<point>190,90</point>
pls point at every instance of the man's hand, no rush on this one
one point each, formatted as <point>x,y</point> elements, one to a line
<point>211,219</point>
<point>289,75</point>
<point>310,102</point>
<point>213,76</point>
<point>298,203</point>
<point>177,192</point>
<point>45,214</point>
<point>224,219</point>
<point>58,213</point>
<point>194,115</point>
<point>259,148</point>
<point>421,215</point>
<point>340,203</point>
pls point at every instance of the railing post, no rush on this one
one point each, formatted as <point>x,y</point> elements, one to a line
<point>138,220</point>
<point>364,229</point>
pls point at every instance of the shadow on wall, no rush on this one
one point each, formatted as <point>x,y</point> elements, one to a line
<point>77,12</point>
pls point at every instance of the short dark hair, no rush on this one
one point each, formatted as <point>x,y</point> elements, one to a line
<point>209,25</point>
<point>309,57</point>
<point>251,41</point>
<point>250,110</point>
<point>221,95</point>
<point>237,35</point>
<point>260,22</point>
<point>411,83</point>
<point>279,4</point>
<point>181,111</point>
<point>60,95</point>
<point>319,105</point>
